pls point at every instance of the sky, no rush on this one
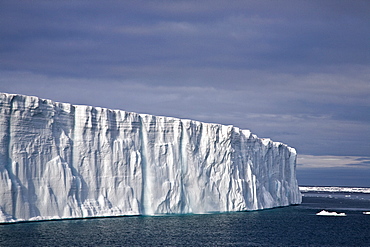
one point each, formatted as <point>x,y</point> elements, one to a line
<point>297,72</point>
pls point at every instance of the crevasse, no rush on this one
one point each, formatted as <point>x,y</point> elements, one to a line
<point>59,160</point>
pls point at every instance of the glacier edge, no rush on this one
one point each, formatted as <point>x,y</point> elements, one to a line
<point>59,160</point>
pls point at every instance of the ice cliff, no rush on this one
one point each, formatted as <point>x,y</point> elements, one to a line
<point>59,160</point>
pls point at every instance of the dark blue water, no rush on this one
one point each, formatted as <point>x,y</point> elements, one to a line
<point>289,226</point>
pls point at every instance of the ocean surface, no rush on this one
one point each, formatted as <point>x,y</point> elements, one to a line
<point>288,226</point>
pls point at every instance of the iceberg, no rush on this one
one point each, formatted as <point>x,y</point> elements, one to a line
<point>60,161</point>
<point>327,213</point>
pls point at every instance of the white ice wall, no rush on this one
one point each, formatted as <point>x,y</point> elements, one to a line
<point>64,161</point>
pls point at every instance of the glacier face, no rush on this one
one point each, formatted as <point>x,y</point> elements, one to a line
<point>59,160</point>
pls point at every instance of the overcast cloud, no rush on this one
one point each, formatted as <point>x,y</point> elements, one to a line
<point>294,71</point>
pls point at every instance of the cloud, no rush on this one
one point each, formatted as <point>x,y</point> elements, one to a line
<point>296,72</point>
<point>330,170</point>
<point>243,35</point>
<point>283,113</point>
<point>330,161</point>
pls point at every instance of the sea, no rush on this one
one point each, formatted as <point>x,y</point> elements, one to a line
<point>286,226</point>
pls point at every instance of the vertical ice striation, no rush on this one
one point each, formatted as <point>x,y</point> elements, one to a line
<point>64,161</point>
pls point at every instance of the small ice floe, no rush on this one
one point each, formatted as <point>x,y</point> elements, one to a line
<point>366,213</point>
<point>327,213</point>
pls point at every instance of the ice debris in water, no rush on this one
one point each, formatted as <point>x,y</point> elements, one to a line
<point>327,213</point>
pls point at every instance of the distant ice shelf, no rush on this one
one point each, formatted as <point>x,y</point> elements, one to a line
<point>60,161</point>
<point>333,189</point>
